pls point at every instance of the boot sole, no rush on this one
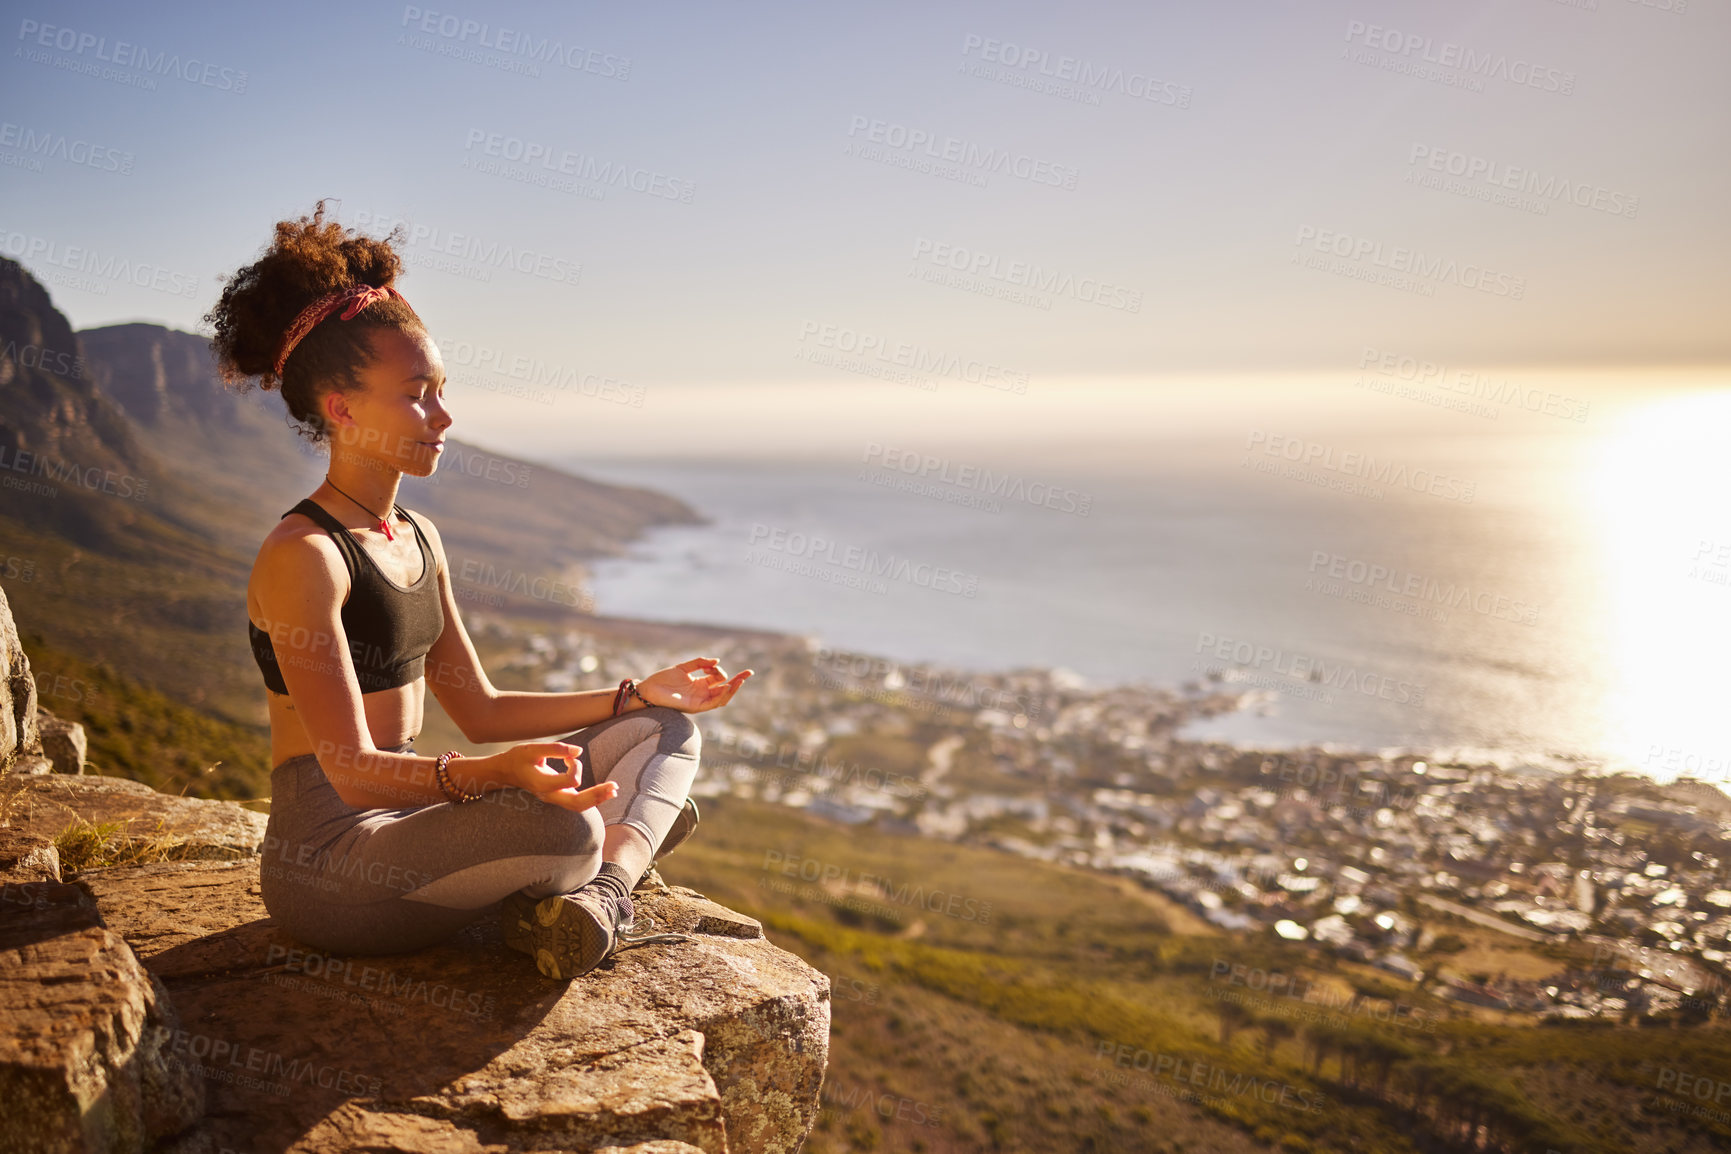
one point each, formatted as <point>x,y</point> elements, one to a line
<point>563,937</point>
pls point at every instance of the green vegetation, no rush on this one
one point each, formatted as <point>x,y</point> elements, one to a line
<point>138,732</point>
<point>1070,1016</point>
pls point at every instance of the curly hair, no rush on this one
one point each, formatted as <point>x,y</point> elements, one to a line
<point>309,258</point>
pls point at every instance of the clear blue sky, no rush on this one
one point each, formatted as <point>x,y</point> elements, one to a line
<point>1278,131</point>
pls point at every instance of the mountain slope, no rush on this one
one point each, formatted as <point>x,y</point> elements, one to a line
<point>135,490</point>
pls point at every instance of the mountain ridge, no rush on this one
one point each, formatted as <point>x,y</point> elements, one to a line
<point>135,489</point>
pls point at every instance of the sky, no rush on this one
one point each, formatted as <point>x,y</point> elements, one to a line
<point>631,222</point>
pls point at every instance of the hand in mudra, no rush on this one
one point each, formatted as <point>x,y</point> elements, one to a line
<point>691,686</point>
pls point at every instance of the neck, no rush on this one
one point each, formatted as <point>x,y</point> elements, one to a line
<point>372,484</point>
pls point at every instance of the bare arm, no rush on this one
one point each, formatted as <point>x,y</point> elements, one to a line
<point>486,714</point>
<point>301,598</point>
<point>482,712</point>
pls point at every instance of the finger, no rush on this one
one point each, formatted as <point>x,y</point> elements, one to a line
<point>695,664</point>
<point>546,749</point>
<point>563,765</point>
<point>580,799</point>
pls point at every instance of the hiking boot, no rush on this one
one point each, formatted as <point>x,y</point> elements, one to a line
<point>684,825</point>
<point>570,934</point>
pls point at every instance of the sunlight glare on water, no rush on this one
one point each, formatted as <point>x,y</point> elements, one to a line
<point>1664,531</point>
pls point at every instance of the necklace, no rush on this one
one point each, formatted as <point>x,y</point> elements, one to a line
<point>383,525</point>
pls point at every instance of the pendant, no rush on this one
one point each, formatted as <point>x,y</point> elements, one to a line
<point>389,536</point>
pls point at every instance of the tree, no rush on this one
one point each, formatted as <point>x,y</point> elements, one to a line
<point>1232,1016</point>
<point>1274,1031</point>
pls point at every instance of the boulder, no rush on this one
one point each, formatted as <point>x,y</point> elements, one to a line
<point>27,857</point>
<point>220,830</point>
<point>18,737</point>
<point>158,1007</point>
<point>62,741</point>
<point>84,1028</point>
<point>718,1043</point>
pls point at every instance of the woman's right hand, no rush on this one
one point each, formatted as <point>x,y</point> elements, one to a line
<point>525,766</point>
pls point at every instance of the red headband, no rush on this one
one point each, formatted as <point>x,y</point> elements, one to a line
<point>356,297</point>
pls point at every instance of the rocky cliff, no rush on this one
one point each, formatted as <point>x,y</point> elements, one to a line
<point>157,1007</point>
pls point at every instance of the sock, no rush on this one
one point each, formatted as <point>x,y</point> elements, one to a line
<point>614,880</point>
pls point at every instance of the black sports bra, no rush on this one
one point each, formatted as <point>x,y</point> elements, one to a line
<point>389,628</point>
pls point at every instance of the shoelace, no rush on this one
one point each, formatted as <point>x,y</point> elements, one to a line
<point>624,935</point>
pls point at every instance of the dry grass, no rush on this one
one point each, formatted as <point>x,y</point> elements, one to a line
<point>86,846</point>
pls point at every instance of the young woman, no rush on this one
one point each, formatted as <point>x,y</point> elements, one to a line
<point>372,848</point>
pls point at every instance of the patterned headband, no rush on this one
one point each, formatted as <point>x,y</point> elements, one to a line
<point>356,297</point>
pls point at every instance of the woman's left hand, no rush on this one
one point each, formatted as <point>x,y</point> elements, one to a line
<point>691,686</point>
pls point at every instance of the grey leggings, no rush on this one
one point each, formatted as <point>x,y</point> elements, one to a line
<point>379,881</point>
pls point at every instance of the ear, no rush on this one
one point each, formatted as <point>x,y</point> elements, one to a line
<point>336,409</point>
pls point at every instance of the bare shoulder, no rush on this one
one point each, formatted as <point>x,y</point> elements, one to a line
<point>298,554</point>
<point>431,532</point>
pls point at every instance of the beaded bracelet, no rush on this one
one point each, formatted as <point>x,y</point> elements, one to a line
<point>448,787</point>
<point>626,691</point>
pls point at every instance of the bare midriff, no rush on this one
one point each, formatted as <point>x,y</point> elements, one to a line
<point>393,715</point>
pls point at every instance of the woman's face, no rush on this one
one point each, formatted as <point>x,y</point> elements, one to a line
<point>399,418</point>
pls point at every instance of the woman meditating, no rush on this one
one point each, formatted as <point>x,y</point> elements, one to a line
<point>372,848</point>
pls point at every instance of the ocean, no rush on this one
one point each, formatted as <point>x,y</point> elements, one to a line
<point>1509,593</point>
